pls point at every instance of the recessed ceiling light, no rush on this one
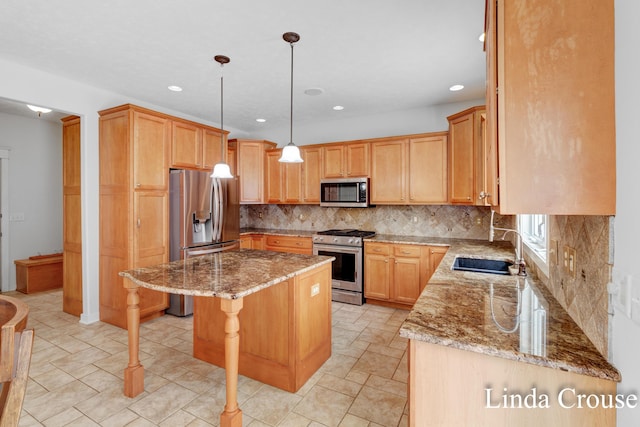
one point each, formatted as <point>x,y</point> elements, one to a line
<point>174,88</point>
<point>481,38</point>
<point>314,91</point>
<point>338,108</point>
<point>261,120</point>
<point>39,110</point>
<point>456,88</point>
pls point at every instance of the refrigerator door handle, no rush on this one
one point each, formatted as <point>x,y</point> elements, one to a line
<point>188,253</point>
<point>214,210</point>
<point>221,196</point>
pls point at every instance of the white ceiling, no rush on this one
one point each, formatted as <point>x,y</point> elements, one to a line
<point>371,56</point>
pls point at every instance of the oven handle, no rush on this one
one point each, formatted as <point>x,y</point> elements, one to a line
<point>336,248</point>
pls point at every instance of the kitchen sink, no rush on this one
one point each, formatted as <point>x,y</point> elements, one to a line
<point>493,266</point>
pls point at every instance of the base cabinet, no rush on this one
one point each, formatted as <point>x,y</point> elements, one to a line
<point>285,330</point>
<point>293,244</point>
<point>448,387</point>
<point>396,274</point>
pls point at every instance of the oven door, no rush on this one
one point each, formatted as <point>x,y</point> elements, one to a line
<point>346,270</point>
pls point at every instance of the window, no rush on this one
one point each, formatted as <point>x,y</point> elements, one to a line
<point>533,229</point>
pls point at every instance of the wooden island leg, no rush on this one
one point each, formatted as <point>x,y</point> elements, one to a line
<point>232,415</point>
<point>134,372</point>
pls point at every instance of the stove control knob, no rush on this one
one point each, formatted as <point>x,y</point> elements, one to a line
<point>351,241</point>
<point>335,239</point>
<point>358,241</point>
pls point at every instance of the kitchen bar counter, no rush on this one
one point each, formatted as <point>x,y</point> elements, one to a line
<point>230,276</point>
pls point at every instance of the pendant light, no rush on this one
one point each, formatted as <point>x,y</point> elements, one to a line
<point>291,153</point>
<point>221,169</point>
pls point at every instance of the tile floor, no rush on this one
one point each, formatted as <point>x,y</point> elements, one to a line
<point>75,377</point>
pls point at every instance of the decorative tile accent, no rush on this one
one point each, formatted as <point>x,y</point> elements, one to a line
<point>464,222</point>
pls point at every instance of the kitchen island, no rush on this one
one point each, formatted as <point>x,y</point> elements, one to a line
<point>231,277</point>
<point>486,349</point>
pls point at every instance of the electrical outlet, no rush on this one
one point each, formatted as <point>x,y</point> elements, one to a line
<point>569,261</point>
<point>315,289</point>
<point>479,220</point>
<point>415,219</point>
<point>553,252</point>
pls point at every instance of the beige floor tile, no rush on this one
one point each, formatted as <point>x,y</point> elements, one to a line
<point>341,385</point>
<point>54,402</point>
<point>163,403</point>
<point>377,364</point>
<point>53,378</point>
<point>324,406</point>
<point>270,405</point>
<point>120,419</point>
<point>104,404</point>
<point>350,420</point>
<point>378,406</point>
<point>391,386</point>
<point>63,418</point>
<point>294,420</point>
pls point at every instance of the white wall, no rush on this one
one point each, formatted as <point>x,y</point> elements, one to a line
<point>625,332</point>
<point>35,188</point>
<point>428,119</point>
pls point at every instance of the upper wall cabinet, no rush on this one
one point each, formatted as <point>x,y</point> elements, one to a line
<point>550,105</point>
<point>346,160</point>
<point>251,159</point>
<point>469,178</point>
<point>195,146</point>
<point>409,170</point>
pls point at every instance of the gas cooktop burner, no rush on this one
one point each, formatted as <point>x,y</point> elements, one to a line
<point>347,232</point>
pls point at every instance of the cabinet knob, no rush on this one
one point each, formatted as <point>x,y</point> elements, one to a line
<point>138,185</point>
<point>468,197</point>
<point>138,224</point>
<point>386,260</point>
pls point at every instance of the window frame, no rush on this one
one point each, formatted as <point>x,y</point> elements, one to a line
<point>535,243</point>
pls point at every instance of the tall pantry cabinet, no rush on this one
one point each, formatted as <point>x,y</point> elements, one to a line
<point>134,196</point>
<point>72,217</point>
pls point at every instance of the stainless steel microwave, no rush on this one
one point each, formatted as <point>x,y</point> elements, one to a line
<point>345,192</point>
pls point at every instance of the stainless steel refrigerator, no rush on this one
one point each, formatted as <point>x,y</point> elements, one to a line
<point>204,217</point>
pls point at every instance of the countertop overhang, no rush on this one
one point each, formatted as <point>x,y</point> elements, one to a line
<point>229,274</point>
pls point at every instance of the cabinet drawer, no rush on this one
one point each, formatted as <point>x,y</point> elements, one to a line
<point>377,248</point>
<point>406,250</point>
<point>289,242</point>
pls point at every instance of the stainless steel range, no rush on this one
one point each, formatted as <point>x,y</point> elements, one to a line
<point>348,268</point>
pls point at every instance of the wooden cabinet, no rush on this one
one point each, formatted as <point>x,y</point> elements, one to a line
<point>409,170</point>
<point>195,146</point>
<point>283,180</point>
<point>346,160</point>
<point>285,330</point>
<point>252,241</point>
<point>311,173</point>
<point>550,99</point>
<point>251,169</point>
<point>71,217</point>
<point>468,158</point>
<point>134,163</point>
<point>396,274</point>
<point>293,244</point>
<point>436,253</point>
<point>464,376</point>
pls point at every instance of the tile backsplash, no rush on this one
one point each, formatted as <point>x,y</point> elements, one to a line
<point>584,296</point>
<point>465,222</point>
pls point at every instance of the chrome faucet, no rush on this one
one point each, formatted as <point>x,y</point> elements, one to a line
<point>522,267</point>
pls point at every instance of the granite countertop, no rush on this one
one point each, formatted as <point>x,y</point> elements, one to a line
<point>228,274</point>
<point>479,312</point>
<point>277,232</point>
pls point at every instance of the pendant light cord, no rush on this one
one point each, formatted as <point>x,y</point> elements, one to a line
<point>291,103</point>
<point>222,112</point>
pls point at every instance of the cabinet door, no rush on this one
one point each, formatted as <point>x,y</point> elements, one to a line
<point>333,158</point>
<point>377,276</point>
<point>150,243</point>
<point>292,184</point>
<point>257,241</point>
<point>428,170</point>
<point>406,279</point>
<point>186,145</point>
<point>274,177</point>
<point>311,174</point>
<point>388,171</point>
<point>212,148</point>
<point>250,170</point>
<point>150,151</point>
<point>245,242</point>
<point>461,160</point>
<point>357,159</point>
<point>436,253</point>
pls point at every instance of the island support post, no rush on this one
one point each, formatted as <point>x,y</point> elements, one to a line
<point>134,372</point>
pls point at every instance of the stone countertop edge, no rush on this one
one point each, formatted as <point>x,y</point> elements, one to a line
<point>289,265</point>
<point>277,232</point>
<point>570,347</point>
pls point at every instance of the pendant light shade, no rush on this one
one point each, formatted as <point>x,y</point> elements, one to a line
<point>221,170</point>
<point>291,153</point>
